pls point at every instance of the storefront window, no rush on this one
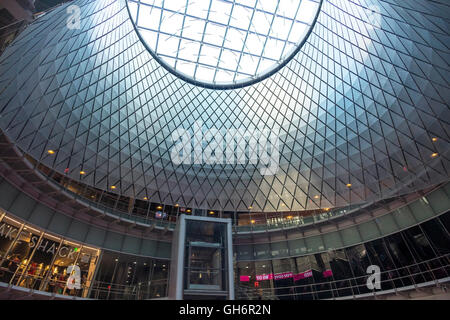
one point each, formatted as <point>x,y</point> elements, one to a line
<point>87,262</point>
<point>122,276</point>
<point>245,274</point>
<point>438,236</point>
<point>303,279</point>
<point>64,267</point>
<point>40,261</point>
<point>359,262</point>
<point>160,274</point>
<point>419,244</point>
<point>264,279</point>
<point>103,287</point>
<point>323,276</point>
<point>9,231</point>
<point>24,248</point>
<point>143,279</point>
<point>405,258</point>
<point>440,240</point>
<point>379,257</point>
<point>402,258</point>
<point>341,272</point>
<point>283,278</point>
<point>445,219</point>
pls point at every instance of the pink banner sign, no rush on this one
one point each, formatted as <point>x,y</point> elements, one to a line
<point>264,277</point>
<point>303,275</point>
<point>284,275</point>
<point>244,278</point>
<point>327,273</point>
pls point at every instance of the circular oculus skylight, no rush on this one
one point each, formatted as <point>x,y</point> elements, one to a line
<point>222,43</point>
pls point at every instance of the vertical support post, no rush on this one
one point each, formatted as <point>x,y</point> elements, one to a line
<point>180,259</point>
<point>230,262</point>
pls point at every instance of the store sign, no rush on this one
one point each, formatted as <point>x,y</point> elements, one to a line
<point>45,246</point>
<point>284,275</point>
<point>8,232</point>
<point>303,275</point>
<point>327,273</point>
<point>278,276</point>
<point>264,277</point>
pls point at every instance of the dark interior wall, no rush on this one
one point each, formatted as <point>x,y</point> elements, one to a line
<point>43,5</point>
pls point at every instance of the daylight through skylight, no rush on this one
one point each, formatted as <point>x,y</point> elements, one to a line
<point>223,41</point>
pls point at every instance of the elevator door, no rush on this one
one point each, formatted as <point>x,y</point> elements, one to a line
<point>205,266</point>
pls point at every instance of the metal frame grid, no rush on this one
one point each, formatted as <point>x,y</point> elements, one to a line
<point>358,105</point>
<point>222,42</point>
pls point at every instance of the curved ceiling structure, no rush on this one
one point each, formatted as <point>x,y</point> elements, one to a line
<point>360,113</point>
<point>226,44</point>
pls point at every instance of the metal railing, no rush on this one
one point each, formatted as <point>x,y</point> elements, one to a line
<point>41,283</point>
<point>145,290</point>
<point>435,270</point>
<point>14,275</point>
<point>296,221</point>
<point>146,216</point>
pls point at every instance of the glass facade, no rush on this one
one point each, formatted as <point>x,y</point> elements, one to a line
<point>405,258</point>
<point>40,261</point>
<point>202,259</point>
<point>37,260</point>
<point>359,109</point>
<point>353,96</point>
<point>127,277</point>
<point>296,270</point>
<point>205,255</point>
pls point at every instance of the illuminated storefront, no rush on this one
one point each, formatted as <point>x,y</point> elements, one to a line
<point>38,260</point>
<point>355,107</point>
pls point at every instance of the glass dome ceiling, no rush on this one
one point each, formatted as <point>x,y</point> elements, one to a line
<point>222,42</point>
<point>361,109</point>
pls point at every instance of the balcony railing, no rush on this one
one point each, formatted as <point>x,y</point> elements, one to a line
<point>435,270</point>
<point>93,290</point>
<point>153,289</point>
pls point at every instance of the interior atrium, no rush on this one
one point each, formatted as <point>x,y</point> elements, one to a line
<point>224,149</point>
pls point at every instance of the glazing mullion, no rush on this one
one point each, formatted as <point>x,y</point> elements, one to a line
<point>25,269</point>
<point>45,281</point>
